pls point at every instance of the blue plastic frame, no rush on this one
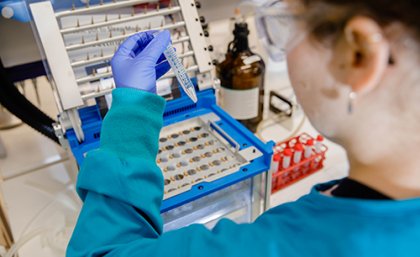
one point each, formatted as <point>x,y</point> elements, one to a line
<point>178,110</point>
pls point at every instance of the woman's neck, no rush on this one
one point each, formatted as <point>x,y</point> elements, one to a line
<point>398,181</point>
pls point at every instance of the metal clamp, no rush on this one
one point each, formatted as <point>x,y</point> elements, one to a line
<point>288,112</point>
<point>59,133</point>
<point>228,138</point>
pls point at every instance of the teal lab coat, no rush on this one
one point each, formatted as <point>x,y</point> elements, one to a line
<point>122,190</point>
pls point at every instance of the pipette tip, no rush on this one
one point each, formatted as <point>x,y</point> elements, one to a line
<point>191,93</point>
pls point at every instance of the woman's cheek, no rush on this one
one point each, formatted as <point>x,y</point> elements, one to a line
<point>304,77</point>
<point>314,86</point>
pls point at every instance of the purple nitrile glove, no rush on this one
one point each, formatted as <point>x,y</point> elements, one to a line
<point>139,61</point>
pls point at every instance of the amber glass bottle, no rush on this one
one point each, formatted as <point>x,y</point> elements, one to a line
<point>242,80</point>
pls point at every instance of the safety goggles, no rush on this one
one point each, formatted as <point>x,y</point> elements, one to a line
<point>280,27</point>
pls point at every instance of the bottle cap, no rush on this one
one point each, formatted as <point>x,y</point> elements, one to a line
<point>298,147</point>
<point>287,152</point>
<point>310,142</point>
<point>237,11</point>
<point>241,29</point>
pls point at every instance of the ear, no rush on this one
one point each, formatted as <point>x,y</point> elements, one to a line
<point>361,55</point>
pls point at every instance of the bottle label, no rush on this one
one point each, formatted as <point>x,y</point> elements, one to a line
<point>240,104</point>
<point>251,59</point>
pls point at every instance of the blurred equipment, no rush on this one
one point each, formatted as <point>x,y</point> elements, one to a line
<point>14,9</point>
<point>280,105</point>
<point>53,224</point>
<point>213,167</point>
<point>278,27</point>
<point>14,101</point>
<point>6,238</point>
<point>296,159</point>
<point>242,79</point>
<point>7,120</point>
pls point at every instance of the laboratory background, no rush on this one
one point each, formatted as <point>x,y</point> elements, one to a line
<point>233,146</point>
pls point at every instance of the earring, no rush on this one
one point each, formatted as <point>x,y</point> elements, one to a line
<point>375,38</point>
<point>352,97</point>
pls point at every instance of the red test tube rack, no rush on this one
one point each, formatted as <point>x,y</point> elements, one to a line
<point>296,159</point>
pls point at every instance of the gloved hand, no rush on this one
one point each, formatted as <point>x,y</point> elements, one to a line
<point>139,61</point>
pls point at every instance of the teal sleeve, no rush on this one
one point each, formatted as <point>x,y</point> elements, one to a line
<point>122,190</point>
<point>124,167</point>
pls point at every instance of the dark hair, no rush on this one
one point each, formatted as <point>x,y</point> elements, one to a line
<point>384,11</point>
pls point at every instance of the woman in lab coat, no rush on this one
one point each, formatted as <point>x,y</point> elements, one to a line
<point>354,65</point>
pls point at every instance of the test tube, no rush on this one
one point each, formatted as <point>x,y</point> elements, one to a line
<point>308,148</point>
<point>287,158</point>
<point>318,144</point>
<point>297,157</point>
<point>318,149</point>
<point>275,162</point>
<point>308,151</point>
<point>180,73</point>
